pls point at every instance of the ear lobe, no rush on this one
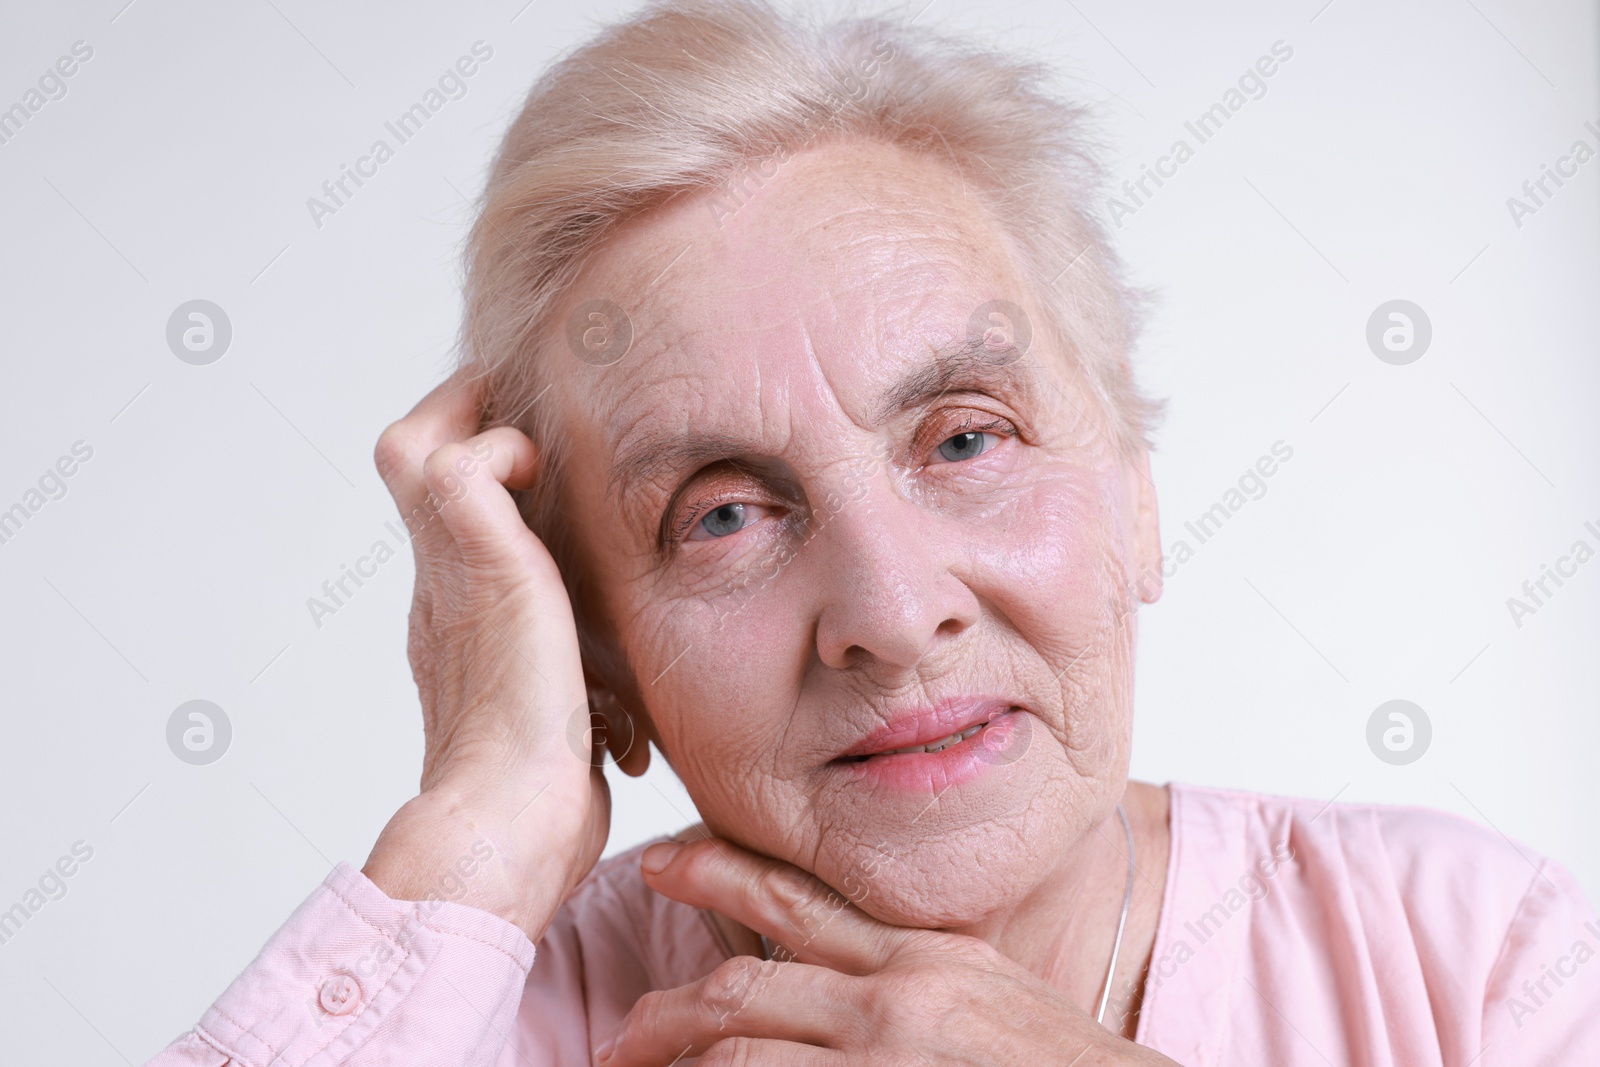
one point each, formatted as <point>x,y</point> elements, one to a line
<point>614,695</point>
<point>626,735</point>
<point>637,760</point>
<point>1145,564</point>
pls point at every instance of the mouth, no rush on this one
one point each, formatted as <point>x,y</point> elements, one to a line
<point>932,746</point>
<point>929,730</point>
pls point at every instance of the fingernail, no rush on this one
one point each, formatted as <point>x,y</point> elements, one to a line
<point>603,1053</point>
<point>658,855</point>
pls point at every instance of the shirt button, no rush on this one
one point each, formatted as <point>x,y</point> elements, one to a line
<point>340,995</point>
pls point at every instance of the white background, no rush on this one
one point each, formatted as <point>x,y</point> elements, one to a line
<point>219,498</point>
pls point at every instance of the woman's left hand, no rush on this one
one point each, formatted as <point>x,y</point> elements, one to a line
<point>858,991</point>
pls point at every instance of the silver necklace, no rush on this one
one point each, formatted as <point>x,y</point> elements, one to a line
<point>1122,922</point>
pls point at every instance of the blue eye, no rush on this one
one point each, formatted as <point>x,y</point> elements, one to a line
<point>724,520</point>
<point>966,445</point>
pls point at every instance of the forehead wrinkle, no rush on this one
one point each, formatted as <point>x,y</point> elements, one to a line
<point>620,383</point>
<point>876,345</point>
<point>645,453</point>
<point>650,455</point>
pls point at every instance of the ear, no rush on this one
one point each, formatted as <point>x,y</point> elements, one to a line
<point>1145,560</point>
<point>628,732</point>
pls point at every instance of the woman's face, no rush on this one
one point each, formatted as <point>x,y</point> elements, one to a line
<point>823,525</point>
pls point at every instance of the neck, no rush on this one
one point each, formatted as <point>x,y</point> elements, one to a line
<point>1065,929</point>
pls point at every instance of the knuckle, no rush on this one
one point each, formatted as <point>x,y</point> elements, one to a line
<point>883,999</point>
<point>777,882</point>
<point>421,642</point>
<point>397,449</point>
<point>805,903</point>
<point>908,999</point>
<point>646,1013</point>
<point>728,989</point>
<point>789,888</point>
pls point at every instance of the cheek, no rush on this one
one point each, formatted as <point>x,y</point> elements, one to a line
<point>720,688</point>
<point>1054,562</point>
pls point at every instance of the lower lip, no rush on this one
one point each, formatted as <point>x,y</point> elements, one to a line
<point>990,749</point>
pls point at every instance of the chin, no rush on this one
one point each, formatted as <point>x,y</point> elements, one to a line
<point>941,877</point>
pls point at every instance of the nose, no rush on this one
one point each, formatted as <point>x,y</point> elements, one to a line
<point>889,584</point>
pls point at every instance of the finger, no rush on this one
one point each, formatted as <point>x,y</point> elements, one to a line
<point>759,1052</point>
<point>450,412</point>
<point>815,922</point>
<point>744,997</point>
<point>469,479</point>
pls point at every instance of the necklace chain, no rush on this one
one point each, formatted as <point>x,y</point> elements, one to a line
<point>1122,922</point>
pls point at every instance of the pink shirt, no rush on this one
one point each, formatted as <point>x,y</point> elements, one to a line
<point>1290,934</point>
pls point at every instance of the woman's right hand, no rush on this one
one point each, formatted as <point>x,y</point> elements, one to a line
<point>510,815</point>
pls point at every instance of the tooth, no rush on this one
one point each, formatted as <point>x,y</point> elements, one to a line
<point>939,745</point>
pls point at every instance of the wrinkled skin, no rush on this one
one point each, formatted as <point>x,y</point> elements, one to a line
<point>871,568</point>
<point>845,988</point>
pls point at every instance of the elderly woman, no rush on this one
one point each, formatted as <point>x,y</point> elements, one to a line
<point>796,439</point>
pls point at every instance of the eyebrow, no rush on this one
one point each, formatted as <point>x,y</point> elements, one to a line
<point>970,365</point>
<point>964,366</point>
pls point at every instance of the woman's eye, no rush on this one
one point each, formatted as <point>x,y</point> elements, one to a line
<point>723,520</point>
<point>966,445</point>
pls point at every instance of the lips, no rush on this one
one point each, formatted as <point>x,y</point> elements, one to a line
<point>934,746</point>
<point>928,729</point>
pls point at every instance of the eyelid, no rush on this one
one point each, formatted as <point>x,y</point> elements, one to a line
<point>678,532</point>
<point>971,421</point>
